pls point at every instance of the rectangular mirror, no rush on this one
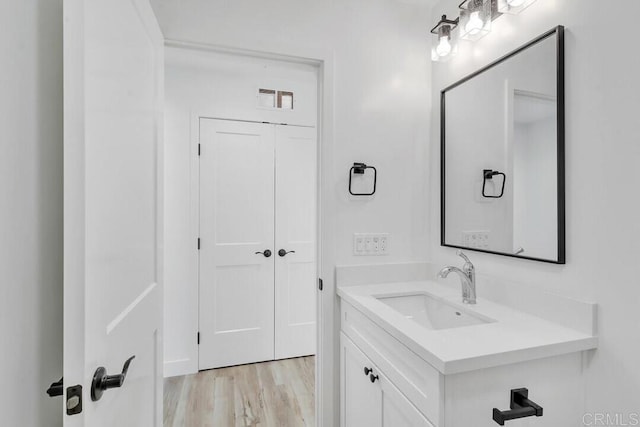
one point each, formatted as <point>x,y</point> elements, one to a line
<point>502,155</point>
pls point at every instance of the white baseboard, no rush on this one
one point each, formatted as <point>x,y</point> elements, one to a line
<point>174,368</point>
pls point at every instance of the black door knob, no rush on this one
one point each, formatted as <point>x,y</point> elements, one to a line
<point>373,378</point>
<point>282,252</point>
<point>103,382</point>
<point>367,371</point>
<point>266,253</point>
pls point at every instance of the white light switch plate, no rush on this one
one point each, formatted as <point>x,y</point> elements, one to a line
<point>367,244</point>
<point>475,239</point>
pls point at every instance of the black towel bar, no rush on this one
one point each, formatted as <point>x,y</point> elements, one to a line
<point>521,407</point>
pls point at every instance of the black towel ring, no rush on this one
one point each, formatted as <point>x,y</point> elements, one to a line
<point>359,169</point>
<point>487,175</point>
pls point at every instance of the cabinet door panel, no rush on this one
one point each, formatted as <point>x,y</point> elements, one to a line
<point>397,411</point>
<point>361,400</point>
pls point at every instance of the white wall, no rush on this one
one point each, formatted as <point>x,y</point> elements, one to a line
<point>31,212</point>
<point>535,184</point>
<point>603,235</point>
<point>217,85</point>
<point>381,91</point>
<point>379,72</point>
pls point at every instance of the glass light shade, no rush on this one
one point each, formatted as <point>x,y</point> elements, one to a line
<point>475,19</point>
<point>513,7</point>
<point>445,44</point>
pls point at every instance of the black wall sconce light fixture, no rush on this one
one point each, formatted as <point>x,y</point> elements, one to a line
<point>476,17</point>
<point>446,39</point>
<point>473,23</point>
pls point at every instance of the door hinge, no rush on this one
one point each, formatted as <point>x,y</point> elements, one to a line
<point>320,284</point>
<point>198,338</point>
<point>199,149</point>
<point>198,243</point>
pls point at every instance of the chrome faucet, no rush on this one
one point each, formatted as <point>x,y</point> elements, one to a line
<point>467,277</point>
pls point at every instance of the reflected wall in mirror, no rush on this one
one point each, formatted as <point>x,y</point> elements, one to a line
<point>502,155</point>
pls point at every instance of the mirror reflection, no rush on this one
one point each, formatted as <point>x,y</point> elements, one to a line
<point>502,154</point>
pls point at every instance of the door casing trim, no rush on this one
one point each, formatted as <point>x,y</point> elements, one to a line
<point>327,354</point>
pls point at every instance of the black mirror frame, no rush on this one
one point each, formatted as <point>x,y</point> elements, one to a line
<point>559,33</point>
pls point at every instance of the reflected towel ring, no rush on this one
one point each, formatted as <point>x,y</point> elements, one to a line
<point>487,175</point>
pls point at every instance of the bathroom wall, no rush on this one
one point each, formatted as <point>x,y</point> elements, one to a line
<point>381,95</point>
<point>602,151</point>
<point>218,85</point>
<point>379,73</point>
<point>31,211</point>
<point>535,204</point>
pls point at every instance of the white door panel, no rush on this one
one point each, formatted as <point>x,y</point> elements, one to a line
<point>236,221</point>
<point>139,332</point>
<point>360,400</point>
<point>369,403</point>
<point>397,410</point>
<point>296,229</point>
<point>113,94</point>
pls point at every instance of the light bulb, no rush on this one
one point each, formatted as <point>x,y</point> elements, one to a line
<point>515,3</point>
<point>444,47</point>
<point>474,25</point>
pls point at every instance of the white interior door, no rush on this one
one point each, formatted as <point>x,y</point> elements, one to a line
<point>295,241</point>
<point>236,227</point>
<point>113,94</point>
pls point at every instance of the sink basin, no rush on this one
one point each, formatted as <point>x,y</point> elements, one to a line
<point>431,313</point>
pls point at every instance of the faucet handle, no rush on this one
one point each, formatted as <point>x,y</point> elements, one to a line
<point>463,256</point>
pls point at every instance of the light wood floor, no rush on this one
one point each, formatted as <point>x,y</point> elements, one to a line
<point>279,393</point>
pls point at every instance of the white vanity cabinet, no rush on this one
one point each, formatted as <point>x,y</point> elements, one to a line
<point>410,392</point>
<point>368,396</point>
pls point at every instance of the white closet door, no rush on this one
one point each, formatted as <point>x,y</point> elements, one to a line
<point>296,229</point>
<point>236,221</point>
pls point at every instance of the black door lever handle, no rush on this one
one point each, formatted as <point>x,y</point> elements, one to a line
<point>103,382</point>
<point>283,252</point>
<point>55,389</point>
<point>266,253</point>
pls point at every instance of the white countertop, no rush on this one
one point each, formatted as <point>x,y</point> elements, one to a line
<point>512,337</point>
